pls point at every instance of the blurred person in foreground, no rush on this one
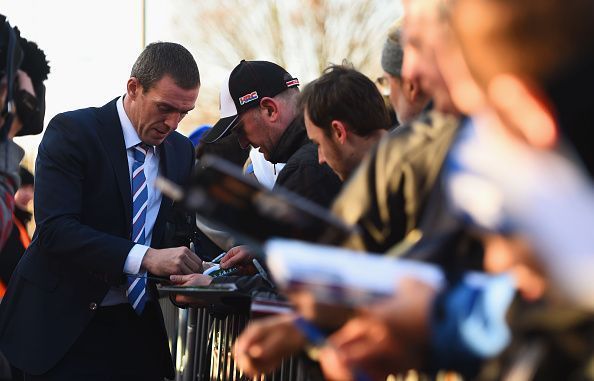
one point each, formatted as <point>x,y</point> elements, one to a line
<point>406,96</point>
<point>551,338</point>
<point>80,305</point>
<point>550,112</point>
<point>544,185</point>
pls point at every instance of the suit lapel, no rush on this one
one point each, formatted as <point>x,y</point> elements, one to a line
<point>112,137</point>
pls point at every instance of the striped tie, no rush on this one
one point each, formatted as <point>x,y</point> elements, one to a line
<point>136,291</point>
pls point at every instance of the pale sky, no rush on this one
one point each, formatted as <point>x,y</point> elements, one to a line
<point>90,45</point>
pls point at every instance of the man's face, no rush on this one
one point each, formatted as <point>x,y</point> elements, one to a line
<point>402,101</point>
<point>254,130</point>
<point>475,24</point>
<point>396,95</point>
<point>329,150</point>
<point>156,113</point>
<point>491,59</point>
<point>421,34</point>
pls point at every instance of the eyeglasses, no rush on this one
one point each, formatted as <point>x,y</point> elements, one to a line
<point>383,85</point>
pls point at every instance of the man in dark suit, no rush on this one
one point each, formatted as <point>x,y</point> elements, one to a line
<point>79,306</point>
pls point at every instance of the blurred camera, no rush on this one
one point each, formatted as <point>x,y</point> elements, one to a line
<point>23,68</point>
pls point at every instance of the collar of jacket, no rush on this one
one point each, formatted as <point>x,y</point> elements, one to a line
<point>290,141</point>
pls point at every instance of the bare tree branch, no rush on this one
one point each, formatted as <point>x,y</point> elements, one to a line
<point>304,36</point>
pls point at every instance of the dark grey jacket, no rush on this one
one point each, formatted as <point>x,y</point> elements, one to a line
<point>302,173</point>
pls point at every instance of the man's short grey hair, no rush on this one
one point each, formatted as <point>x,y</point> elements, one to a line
<point>393,54</point>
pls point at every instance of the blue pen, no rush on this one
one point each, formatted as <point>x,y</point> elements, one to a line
<point>261,270</point>
<point>218,258</point>
<point>318,339</point>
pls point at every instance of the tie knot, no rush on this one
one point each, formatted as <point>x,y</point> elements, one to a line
<point>139,151</point>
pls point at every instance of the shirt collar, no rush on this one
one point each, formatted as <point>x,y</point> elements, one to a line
<point>130,135</point>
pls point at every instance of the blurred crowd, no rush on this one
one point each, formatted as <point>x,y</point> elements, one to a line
<point>487,170</point>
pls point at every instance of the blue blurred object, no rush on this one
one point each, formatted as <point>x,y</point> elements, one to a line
<point>468,322</point>
<point>197,134</point>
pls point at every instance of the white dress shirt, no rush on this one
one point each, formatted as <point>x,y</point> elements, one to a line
<point>117,295</point>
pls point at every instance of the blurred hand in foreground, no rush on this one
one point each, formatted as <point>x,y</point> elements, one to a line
<point>390,337</point>
<point>266,342</point>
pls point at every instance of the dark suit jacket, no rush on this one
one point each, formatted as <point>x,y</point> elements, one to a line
<point>83,212</point>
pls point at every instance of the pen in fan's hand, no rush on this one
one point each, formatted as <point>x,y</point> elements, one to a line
<point>158,279</point>
<point>317,338</point>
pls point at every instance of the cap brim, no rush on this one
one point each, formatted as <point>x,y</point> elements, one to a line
<point>221,129</point>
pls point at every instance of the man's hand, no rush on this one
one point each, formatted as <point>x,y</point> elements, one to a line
<point>241,257</point>
<point>266,342</point>
<point>175,260</point>
<point>326,316</point>
<point>333,367</point>
<point>391,337</point>
<point>187,281</point>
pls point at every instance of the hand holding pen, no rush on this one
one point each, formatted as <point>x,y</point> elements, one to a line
<point>266,342</point>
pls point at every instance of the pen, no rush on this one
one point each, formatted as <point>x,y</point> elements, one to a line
<point>218,258</point>
<point>261,270</point>
<point>158,279</point>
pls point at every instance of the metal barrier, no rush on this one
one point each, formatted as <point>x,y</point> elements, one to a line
<point>202,346</point>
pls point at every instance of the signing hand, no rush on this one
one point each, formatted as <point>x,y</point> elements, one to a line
<point>241,257</point>
<point>175,260</point>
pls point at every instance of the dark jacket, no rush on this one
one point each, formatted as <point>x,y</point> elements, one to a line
<point>302,173</point>
<point>385,198</point>
<point>83,207</point>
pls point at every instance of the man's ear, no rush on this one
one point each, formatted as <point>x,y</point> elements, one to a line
<point>411,89</point>
<point>525,108</point>
<point>133,87</point>
<point>269,109</point>
<point>339,131</point>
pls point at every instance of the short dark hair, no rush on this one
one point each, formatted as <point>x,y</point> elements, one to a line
<point>344,94</point>
<point>166,58</point>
